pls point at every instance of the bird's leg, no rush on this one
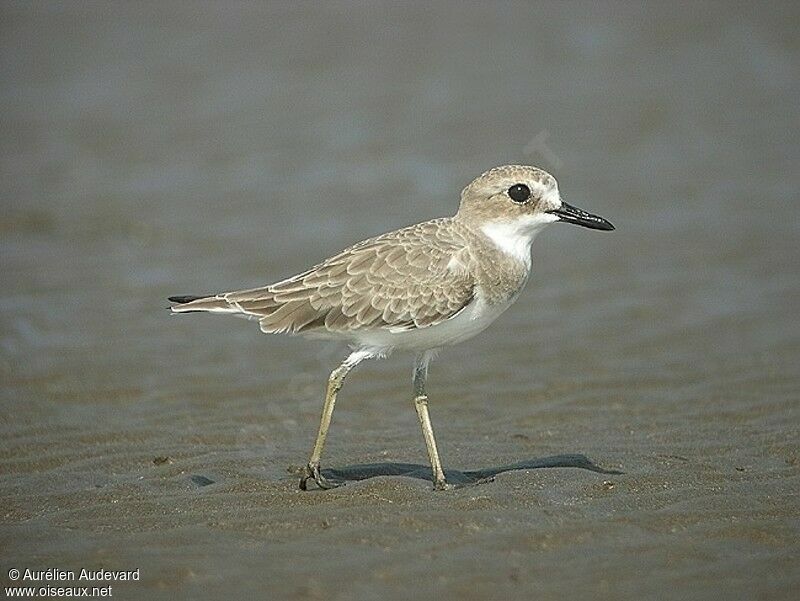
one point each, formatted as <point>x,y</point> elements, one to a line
<point>421,405</point>
<point>335,383</point>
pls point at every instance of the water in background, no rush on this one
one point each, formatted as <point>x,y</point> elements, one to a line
<point>149,150</point>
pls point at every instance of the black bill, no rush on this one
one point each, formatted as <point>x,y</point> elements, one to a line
<point>578,216</point>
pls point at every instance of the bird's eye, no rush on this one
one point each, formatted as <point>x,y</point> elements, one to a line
<point>519,192</point>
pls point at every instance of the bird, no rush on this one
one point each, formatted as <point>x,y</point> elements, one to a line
<point>417,289</point>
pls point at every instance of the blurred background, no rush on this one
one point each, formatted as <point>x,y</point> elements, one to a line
<point>150,149</point>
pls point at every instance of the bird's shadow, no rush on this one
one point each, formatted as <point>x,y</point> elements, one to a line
<point>354,473</point>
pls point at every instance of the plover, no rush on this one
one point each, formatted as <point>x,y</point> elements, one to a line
<point>417,289</point>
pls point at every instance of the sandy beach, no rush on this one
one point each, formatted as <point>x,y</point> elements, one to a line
<point>644,389</point>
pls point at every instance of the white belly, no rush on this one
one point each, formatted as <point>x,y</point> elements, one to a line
<point>472,320</point>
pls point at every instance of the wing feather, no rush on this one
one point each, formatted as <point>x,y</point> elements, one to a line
<point>400,280</point>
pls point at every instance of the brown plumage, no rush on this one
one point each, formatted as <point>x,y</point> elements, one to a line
<point>419,288</point>
<point>410,278</point>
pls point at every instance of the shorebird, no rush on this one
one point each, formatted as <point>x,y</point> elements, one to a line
<point>417,289</point>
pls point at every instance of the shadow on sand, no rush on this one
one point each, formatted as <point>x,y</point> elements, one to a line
<point>353,473</point>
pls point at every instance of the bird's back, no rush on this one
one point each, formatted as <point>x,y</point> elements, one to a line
<point>407,279</point>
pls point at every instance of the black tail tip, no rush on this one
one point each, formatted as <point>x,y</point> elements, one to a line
<point>182,300</point>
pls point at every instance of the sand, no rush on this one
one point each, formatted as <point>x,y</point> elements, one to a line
<point>150,151</point>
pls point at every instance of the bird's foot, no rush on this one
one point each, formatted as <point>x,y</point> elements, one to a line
<point>311,471</point>
<point>442,485</point>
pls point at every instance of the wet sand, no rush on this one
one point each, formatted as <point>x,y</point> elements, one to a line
<point>155,151</point>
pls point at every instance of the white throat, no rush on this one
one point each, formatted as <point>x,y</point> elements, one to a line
<point>514,238</point>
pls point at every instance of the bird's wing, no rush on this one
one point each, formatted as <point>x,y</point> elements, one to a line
<point>412,278</point>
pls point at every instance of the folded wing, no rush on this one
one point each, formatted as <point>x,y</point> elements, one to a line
<point>412,278</point>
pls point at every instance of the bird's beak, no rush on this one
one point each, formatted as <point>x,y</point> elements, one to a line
<point>578,216</point>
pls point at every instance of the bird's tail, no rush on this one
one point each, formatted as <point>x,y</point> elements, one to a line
<point>208,303</point>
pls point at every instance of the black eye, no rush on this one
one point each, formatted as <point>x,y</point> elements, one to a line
<point>519,192</point>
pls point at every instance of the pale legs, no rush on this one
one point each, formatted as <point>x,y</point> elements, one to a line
<point>421,405</point>
<point>335,383</point>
